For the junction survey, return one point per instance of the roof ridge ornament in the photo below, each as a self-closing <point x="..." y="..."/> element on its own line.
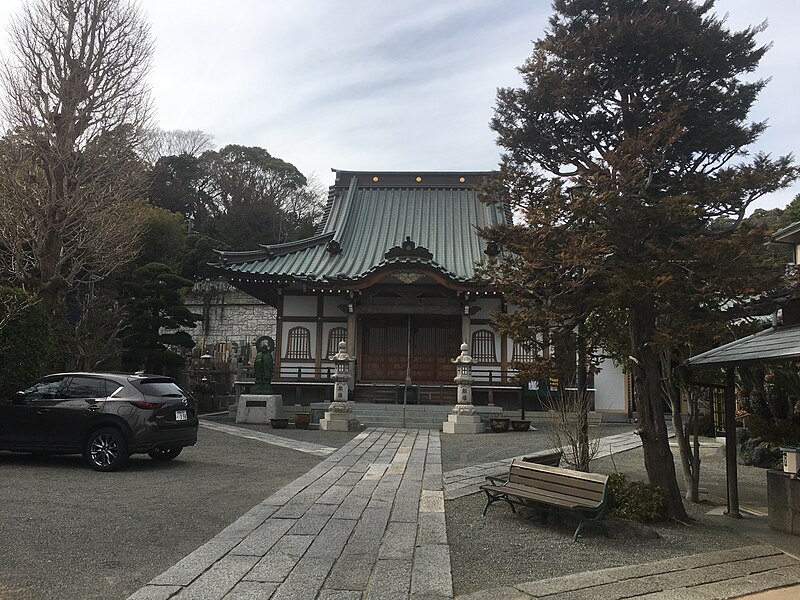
<point x="409" y="249"/>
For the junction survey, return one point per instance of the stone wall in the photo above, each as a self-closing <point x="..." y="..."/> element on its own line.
<point x="229" y="315"/>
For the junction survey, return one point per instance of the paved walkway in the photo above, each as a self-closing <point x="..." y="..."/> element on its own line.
<point x="709" y="576"/>
<point x="368" y="523"/>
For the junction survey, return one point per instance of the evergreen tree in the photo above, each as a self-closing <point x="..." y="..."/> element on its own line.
<point x="624" y="145"/>
<point x="154" y="299"/>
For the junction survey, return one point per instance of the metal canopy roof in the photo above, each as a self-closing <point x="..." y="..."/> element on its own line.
<point x="776" y="344"/>
<point x="365" y="220"/>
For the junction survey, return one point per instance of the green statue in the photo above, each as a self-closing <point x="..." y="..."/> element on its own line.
<point x="264" y="366"/>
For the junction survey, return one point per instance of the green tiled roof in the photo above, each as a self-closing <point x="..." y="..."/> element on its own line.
<point x="367" y="218"/>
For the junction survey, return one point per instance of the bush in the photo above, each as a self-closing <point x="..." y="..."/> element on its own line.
<point x="778" y="432"/>
<point x="26" y="343"/>
<point x="635" y="500"/>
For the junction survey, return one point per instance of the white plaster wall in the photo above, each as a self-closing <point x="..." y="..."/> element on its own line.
<point x="487" y="307"/>
<point x="299" y="306"/>
<point x="331" y="304"/>
<point x="609" y="385"/>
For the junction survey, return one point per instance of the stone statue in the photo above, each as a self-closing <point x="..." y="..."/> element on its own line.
<point x="264" y="366"/>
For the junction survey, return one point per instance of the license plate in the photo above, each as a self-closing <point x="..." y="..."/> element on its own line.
<point x="180" y="415"/>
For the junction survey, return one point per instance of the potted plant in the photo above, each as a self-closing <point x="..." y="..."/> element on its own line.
<point x="498" y="424"/>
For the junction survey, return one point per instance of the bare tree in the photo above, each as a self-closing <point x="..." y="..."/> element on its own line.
<point x="76" y="108"/>
<point x="570" y="430"/>
<point x="174" y="142"/>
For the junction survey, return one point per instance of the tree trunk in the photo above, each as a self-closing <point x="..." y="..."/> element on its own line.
<point x="672" y="391"/>
<point x="658" y="460"/>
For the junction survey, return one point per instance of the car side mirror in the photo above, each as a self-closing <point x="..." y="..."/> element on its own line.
<point x="18" y="398"/>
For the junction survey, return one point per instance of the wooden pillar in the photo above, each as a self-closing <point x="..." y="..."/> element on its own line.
<point x="466" y="326"/>
<point x="318" y="355"/>
<point x="352" y="333"/>
<point x="278" y="336"/>
<point x="730" y="444"/>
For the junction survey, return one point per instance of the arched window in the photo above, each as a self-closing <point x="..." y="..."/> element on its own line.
<point x="483" y="346"/>
<point x="523" y="353"/>
<point x="299" y="344"/>
<point x="336" y="335"/>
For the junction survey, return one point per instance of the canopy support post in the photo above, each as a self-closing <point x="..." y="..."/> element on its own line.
<point x="730" y="444"/>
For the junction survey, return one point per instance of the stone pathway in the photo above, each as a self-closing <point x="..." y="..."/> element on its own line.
<point x="466" y="481"/>
<point x="368" y="522"/>
<point x="275" y="440"/>
<point x="714" y="575"/>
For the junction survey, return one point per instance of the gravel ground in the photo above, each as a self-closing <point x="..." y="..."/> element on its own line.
<point x="460" y="451"/>
<point x="504" y="548"/>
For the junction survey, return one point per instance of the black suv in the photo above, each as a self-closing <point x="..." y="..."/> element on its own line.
<point x="105" y="416"/>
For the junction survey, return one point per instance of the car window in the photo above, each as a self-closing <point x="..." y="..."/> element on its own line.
<point x="46" y="389"/>
<point x="86" y="387"/>
<point x="163" y="389"/>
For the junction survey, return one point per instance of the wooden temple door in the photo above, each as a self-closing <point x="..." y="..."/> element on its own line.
<point x="384" y="352"/>
<point x="435" y="341"/>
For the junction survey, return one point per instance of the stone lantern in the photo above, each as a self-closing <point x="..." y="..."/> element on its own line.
<point x="463" y="418"/>
<point x="339" y="416"/>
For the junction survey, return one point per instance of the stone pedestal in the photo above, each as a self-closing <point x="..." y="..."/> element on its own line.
<point x="259" y="408"/>
<point x="783" y="497"/>
<point x="463" y="424"/>
<point x="339" y="418"/>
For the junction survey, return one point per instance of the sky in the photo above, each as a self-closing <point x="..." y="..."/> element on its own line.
<point x="380" y="85"/>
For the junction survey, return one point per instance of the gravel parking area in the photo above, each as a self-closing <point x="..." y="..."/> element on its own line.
<point x="70" y="532"/>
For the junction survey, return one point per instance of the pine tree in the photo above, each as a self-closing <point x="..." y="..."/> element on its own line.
<point x="622" y="148"/>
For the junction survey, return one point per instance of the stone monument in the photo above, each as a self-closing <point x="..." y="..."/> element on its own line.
<point x="339" y="416"/>
<point x="463" y="419"/>
<point x="261" y="404"/>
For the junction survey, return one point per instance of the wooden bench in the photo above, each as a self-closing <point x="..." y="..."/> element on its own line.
<point x="552" y="459"/>
<point x="582" y="494"/>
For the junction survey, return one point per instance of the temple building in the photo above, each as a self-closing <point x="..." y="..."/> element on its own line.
<point x="391" y="270"/>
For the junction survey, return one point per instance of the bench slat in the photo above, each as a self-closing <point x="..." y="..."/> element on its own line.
<point x="561" y="471"/>
<point x="560" y="488"/>
<point x="544" y="495"/>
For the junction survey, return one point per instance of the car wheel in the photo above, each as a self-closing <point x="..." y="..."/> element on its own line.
<point x="164" y="453"/>
<point x="106" y="449"/>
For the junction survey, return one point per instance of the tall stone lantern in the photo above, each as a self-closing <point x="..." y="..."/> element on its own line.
<point x="339" y="416"/>
<point x="463" y="419"/>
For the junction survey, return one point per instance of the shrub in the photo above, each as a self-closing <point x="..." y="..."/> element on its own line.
<point x="635" y="500"/>
<point x="26" y="343"/>
<point x="779" y="432"/>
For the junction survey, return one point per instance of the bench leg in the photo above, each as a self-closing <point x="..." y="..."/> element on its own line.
<point x="595" y="519"/>
<point x="491" y="499"/>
